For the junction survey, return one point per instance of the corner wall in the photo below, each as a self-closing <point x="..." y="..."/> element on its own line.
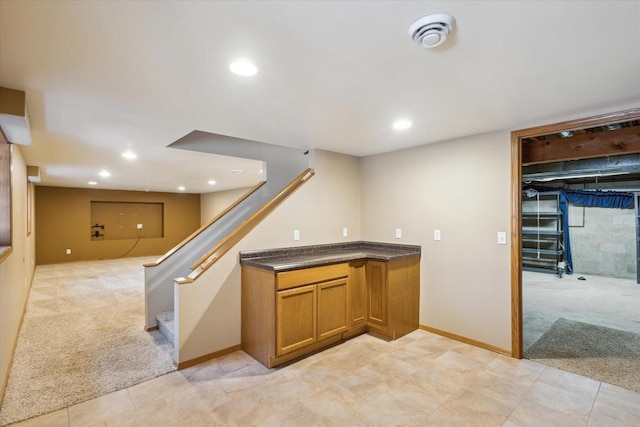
<point x="319" y="209"/>
<point x="16" y="271"/>
<point x="462" y="188"/>
<point x="63" y="220"/>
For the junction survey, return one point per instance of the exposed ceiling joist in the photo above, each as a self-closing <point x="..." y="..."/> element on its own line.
<point x="590" y="145"/>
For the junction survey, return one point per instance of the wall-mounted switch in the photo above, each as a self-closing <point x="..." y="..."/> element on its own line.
<point x="398" y="233"/>
<point x="139" y="226"/>
<point x="345" y="232"/>
<point x="68" y="251"/>
<point x="502" y="238"/>
<point x="296" y="234"/>
<point x="436" y="234"/>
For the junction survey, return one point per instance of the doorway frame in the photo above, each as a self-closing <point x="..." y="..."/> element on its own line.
<point x="516" y="203"/>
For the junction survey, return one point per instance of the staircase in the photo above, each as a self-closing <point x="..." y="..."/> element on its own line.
<point x="184" y="263"/>
<point x="166" y="325"/>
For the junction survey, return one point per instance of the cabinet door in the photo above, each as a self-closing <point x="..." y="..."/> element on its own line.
<point x="333" y="308"/>
<point x="295" y="318"/>
<point x="358" y="292"/>
<point x="378" y="287"/>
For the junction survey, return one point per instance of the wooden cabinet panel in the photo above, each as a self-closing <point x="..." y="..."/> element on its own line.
<point x="358" y="292"/>
<point x="378" y="293"/>
<point x="307" y="276"/>
<point x="332" y="308"/>
<point x="296" y="318"/>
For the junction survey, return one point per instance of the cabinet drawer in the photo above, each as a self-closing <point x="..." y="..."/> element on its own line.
<point x="291" y="279"/>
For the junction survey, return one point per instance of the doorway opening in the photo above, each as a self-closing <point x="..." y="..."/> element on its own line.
<point x="553" y="235"/>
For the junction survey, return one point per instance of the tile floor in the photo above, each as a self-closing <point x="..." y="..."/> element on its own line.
<point x="418" y="380"/>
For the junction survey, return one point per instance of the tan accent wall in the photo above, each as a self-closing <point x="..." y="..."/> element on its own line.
<point x="16" y="271"/>
<point x="211" y="204"/>
<point x="462" y="188"/>
<point x="63" y="221"/>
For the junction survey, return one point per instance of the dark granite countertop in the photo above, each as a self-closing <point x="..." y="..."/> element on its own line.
<point x="310" y="256"/>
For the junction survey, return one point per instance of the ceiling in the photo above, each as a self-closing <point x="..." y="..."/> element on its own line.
<point x="105" y="77"/>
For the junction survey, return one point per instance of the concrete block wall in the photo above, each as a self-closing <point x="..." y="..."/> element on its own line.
<point x="606" y="245"/>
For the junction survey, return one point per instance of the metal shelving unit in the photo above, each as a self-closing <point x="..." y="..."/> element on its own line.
<point x="542" y="234"/>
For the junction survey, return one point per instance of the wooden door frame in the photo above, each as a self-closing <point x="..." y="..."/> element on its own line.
<point x="516" y="204"/>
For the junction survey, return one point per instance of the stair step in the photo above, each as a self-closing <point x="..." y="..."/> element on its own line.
<point x="166" y="325"/>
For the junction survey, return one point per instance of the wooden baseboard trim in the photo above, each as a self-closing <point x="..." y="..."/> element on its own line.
<point x="206" y="357"/>
<point x="151" y="328"/>
<point x="15" y="340"/>
<point x="466" y="340"/>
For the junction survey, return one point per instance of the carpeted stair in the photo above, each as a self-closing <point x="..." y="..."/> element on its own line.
<point x="166" y="325"/>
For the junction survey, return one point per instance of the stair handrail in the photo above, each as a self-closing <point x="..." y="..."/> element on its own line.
<point x="193" y="235"/>
<point x="243" y="229"/>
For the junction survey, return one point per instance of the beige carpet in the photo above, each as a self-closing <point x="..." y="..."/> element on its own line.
<point x="604" y="354"/>
<point x="82" y="337"/>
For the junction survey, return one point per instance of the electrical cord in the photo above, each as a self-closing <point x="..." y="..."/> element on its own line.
<point x="130" y="249"/>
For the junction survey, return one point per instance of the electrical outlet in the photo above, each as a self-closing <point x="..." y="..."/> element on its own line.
<point x="68" y="251"/>
<point x="345" y="232"/>
<point x="296" y="234"/>
<point x="436" y="234"/>
<point x="139" y="226"/>
<point x="398" y="233"/>
<point x="502" y="238"/>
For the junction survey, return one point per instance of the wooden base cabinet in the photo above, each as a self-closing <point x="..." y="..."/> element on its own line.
<point x="290" y="314"/>
<point x="394" y="297"/>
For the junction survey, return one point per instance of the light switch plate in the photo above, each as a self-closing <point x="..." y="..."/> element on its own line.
<point x="345" y="232"/>
<point x="502" y="238"/>
<point x="296" y="234"/>
<point x="436" y="234"/>
<point x="398" y="233"/>
<point x="139" y="226"/>
<point x="68" y="251"/>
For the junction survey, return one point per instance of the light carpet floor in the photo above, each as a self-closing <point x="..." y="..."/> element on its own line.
<point x="82" y="337"/>
<point x="605" y="354"/>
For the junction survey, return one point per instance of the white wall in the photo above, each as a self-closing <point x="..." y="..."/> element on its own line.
<point x="319" y="209"/>
<point x="211" y="204"/>
<point x="16" y="271"/>
<point x="462" y="188"/>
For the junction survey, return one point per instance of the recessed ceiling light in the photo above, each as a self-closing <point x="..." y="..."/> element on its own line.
<point x="129" y="155"/>
<point x="92" y="183"/>
<point x="104" y="173"/>
<point x="244" y="68"/>
<point x="181" y="188"/>
<point x="211" y="182"/>
<point x="236" y="170"/>
<point x="402" y="124"/>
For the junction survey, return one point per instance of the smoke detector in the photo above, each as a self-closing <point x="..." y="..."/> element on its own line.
<point x="432" y="30"/>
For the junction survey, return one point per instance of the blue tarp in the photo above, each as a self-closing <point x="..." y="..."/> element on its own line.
<point x="599" y="199"/>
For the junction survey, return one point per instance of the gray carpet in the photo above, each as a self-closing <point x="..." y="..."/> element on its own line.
<point x="604" y="354"/>
<point x="82" y="337"/>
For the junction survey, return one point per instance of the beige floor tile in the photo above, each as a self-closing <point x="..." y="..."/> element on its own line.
<point x="58" y="418"/>
<point x="568" y="381"/>
<point x="529" y="413"/>
<point x="157" y="388"/>
<point x="497" y="387"/>
<point x="296" y="415"/>
<point x="599" y="420"/>
<point x="619" y="404"/>
<point x="100" y="409"/>
<point x="476" y="353"/>
<point x="472" y="404"/>
<point x="458" y="362"/>
<point x="561" y="400"/>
